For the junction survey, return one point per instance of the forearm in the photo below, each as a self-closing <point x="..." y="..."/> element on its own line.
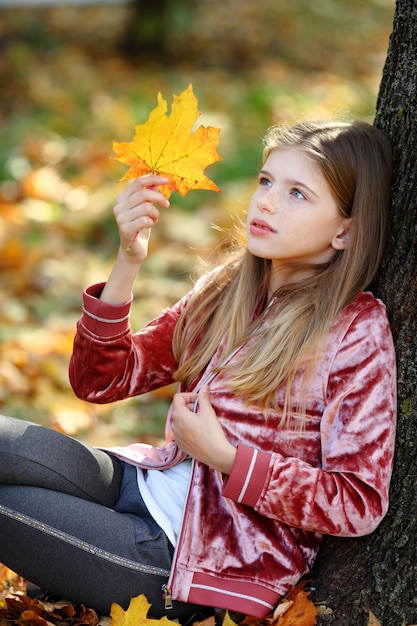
<point x="135" y="215"/>
<point x="119" y="286"/>
<point x="306" y="497"/>
<point x="108" y="362"/>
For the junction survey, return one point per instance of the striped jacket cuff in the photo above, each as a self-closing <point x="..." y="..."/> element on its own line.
<point x="101" y="318"/>
<point x="248" y="475"/>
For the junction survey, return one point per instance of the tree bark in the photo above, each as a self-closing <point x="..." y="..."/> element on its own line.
<point x="379" y="572"/>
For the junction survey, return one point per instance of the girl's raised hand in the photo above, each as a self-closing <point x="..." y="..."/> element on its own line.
<point x="135" y="213"/>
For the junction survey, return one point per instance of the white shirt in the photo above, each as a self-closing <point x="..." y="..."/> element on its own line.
<point x="164" y="493"/>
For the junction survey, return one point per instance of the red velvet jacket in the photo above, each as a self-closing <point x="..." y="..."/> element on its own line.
<point x="248" y="537"/>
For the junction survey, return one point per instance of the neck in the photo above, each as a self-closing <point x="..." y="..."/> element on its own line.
<point x="280" y="277"/>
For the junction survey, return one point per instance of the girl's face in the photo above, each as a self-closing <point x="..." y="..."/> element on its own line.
<point x="293" y="218"/>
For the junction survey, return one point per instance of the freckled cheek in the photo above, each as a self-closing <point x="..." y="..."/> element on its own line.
<point x="251" y="213"/>
<point x="252" y="206"/>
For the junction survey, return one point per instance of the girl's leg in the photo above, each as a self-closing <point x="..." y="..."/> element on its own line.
<point x="73" y="522"/>
<point x="81" y="550"/>
<point x="37" y="456"/>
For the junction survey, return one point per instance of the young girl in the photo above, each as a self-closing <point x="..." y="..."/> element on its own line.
<point x="283" y="426"/>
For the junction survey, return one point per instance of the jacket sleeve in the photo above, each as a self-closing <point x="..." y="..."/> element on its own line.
<point x="348" y="494"/>
<point x="109" y="362"/>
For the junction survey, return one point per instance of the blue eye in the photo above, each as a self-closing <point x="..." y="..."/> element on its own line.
<point x="264" y="181"/>
<point x="297" y="194"/>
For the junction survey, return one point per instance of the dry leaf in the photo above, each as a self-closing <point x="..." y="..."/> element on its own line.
<point x="281" y="608"/>
<point x="32" y="612"/>
<point x="322" y="609"/>
<point x="250" y="620"/>
<point x="163" y="145"/>
<point x="136" y="614"/>
<point x="302" y="611"/>
<point x="373" y="621"/>
<point x="209" y="621"/>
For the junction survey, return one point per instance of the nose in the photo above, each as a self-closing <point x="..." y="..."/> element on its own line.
<point x="267" y="202"/>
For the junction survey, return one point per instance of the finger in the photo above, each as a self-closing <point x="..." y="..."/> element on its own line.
<point x="204" y="396"/>
<point x="185" y="397"/>
<point x="152" y="180"/>
<point x="203" y="402"/>
<point x="142" y="196"/>
<point x="147" y="180"/>
<point x="133" y="225"/>
<point x="144" y="189"/>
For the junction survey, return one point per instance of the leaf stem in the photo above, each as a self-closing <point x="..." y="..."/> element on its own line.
<point x="129" y="247"/>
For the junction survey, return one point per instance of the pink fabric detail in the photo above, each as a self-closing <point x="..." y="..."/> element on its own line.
<point x="148" y="457"/>
<point x="248" y="475"/>
<point x="101" y="318"/>
<point x="256" y="601"/>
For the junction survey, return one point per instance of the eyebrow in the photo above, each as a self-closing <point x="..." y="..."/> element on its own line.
<point x="291" y="182"/>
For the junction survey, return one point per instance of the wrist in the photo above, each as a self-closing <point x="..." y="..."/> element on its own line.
<point x="119" y="286"/>
<point x="125" y="257"/>
<point x="224" y="461"/>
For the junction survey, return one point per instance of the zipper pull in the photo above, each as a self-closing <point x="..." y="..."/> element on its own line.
<point x="166" y="595"/>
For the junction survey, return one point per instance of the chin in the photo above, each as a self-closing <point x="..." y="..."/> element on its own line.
<point x="258" y="253"/>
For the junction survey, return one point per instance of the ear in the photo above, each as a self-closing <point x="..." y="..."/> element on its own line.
<point x="341" y="239"/>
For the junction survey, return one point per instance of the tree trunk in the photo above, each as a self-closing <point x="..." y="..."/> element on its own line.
<point x="157" y="30"/>
<point x="379" y="572"/>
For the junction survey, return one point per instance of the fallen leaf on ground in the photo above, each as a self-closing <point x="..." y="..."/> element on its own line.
<point x="31" y="612"/>
<point x="209" y="621"/>
<point x="297" y="609"/>
<point x="136" y="614"/>
<point x="282" y="608"/>
<point x="163" y="145"/>
<point x="373" y="621"/>
<point x="322" y="609"/>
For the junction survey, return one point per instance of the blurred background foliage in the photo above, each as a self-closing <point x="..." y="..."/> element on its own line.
<point x="73" y="78"/>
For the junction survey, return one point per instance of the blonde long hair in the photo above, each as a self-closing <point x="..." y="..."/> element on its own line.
<point x="355" y="159"/>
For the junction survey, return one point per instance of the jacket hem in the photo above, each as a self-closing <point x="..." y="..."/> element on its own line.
<point x="235" y="595"/>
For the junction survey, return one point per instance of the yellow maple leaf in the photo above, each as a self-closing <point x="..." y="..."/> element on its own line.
<point x="165" y="145"/>
<point x="136" y="614"/>
<point x="227" y="620"/>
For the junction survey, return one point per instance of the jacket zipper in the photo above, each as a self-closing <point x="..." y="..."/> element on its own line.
<point x="166" y="588"/>
<point x="166" y="595"/>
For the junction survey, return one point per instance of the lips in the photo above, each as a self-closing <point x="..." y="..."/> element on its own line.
<point x="259" y="227"/>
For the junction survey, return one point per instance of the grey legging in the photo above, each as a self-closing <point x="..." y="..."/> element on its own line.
<point x="72" y="521"/>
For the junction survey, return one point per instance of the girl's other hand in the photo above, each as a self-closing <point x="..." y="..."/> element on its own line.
<point x="200" y="434"/>
<point x="135" y="213"/>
